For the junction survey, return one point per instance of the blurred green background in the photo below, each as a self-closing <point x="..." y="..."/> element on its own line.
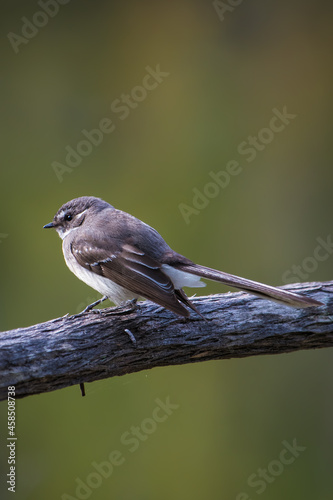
<point x="225" y="76"/>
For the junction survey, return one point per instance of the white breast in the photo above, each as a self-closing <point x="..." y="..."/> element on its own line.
<point x="114" y="292"/>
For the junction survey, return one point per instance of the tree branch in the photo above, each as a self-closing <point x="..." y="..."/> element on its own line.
<point x="71" y="350"/>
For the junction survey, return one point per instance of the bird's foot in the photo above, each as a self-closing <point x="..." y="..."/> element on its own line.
<point x="90" y="308"/>
<point x="125" y="308"/>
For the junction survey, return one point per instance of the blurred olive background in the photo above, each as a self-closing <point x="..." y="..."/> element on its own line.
<point x="224" y="78"/>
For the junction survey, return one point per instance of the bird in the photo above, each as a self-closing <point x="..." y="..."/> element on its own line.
<point x="125" y="259"/>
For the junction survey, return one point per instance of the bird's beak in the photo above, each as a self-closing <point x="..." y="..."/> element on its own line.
<point x="50" y="224"/>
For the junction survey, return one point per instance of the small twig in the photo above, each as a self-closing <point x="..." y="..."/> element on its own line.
<point x="131" y="336"/>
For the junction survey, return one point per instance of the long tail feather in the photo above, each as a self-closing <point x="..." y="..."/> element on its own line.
<point x="264" y="291"/>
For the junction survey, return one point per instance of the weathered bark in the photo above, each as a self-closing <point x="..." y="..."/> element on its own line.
<point x="71" y="350"/>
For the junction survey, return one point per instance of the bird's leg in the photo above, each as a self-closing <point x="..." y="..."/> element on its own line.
<point x="83" y="392"/>
<point x="130" y="305"/>
<point x="126" y="307"/>
<point x="90" y="307"/>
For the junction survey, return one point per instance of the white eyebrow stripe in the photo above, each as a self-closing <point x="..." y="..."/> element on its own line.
<point x="81" y="213"/>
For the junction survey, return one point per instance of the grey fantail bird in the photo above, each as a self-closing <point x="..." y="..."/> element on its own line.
<point x="123" y="258"/>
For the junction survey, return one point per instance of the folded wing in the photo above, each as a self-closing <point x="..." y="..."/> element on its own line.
<point x="132" y="269"/>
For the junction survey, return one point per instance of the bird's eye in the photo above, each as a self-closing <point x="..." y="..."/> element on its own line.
<point x="68" y="217"/>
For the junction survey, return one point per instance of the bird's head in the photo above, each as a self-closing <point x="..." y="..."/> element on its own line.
<point x="73" y="213"/>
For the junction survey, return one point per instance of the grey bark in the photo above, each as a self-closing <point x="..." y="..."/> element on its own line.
<point x="71" y="350"/>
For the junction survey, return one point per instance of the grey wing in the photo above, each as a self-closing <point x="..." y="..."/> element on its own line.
<point x="132" y="269"/>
